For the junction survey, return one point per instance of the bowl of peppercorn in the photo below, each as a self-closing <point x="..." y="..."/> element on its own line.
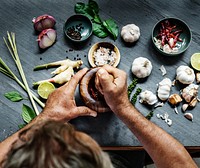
<point x="78" y="28"/>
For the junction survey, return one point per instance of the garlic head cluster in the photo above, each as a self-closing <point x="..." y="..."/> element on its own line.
<point x="185" y="74"/>
<point x="189" y="92"/>
<point x="164" y="88"/>
<point x="141" y="67"/>
<point x="148" y="97"/>
<point x="130" y="33"/>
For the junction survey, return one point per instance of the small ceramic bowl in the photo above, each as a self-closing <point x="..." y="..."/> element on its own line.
<point x="106" y="45"/>
<point x="78" y="28"/>
<point x="185" y="36"/>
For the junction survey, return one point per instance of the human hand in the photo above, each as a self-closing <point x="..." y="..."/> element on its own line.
<point x="61" y="103"/>
<point x="112" y="83"/>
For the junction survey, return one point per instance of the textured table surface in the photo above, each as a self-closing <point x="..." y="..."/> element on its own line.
<point x="16" y="16"/>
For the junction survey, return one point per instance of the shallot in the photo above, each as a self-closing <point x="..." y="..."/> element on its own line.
<point x="46" y="38"/>
<point x="43" y="22"/>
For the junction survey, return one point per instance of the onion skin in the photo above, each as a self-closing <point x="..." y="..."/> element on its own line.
<point x="97" y="105"/>
<point x="43" y="22"/>
<point x="46" y="38"/>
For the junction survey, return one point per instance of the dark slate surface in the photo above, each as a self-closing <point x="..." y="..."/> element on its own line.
<point x="16" y="16"/>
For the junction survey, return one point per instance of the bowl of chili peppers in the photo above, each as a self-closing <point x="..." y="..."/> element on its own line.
<point x="171" y="36"/>
<point x="78" y="28"/>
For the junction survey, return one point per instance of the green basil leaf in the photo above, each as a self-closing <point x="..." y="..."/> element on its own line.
<point x="84" y="9"/>
<point x="97" y="19"/>
<point x="27" y="113"/>
<point x="94" y="6"/>
<point x="99" y="30"/>
<point x="112" y="27"/>
<point x="13" y="96"/>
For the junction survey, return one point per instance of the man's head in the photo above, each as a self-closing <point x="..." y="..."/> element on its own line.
<point x="56" y="145"/>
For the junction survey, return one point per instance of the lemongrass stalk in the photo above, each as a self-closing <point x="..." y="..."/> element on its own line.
<point x="13" y="51"/>
<point x="8" y="72"/>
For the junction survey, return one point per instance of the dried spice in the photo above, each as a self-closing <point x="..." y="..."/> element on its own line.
<point x="75" y="31"/>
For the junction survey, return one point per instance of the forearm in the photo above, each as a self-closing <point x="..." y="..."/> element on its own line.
<point x="162" y="147"/>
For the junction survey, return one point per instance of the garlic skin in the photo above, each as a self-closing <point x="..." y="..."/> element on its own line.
<point x="46" y="38"/>
<point x="164" y="88"/>
<point x="185" y="74"/>
<point x="148" y="97"/>
<point x="130" y="33"/>
<point x="189" y="92"/>
<point x="141" y="67"/>
<point x="174" y="99"/>
<point x="43" y="22"/>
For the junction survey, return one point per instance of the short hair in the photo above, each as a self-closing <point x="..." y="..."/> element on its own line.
<point x="54" y="145"/>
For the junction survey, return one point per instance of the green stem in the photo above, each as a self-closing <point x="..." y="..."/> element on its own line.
<point x="14" y="53"/>
<point x="7" y="71"/>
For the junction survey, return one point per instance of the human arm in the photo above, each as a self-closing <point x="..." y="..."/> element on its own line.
<point x="60" y="106"/>
<point x="162" y="147"/>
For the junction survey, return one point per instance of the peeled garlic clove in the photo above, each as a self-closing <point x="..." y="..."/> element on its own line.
<point x="46" y="38"/>
<point x="184" y="107"/>
<point x="43" y="22"/>
<point x="174" y="99"/>
<point x="189" y="116"/>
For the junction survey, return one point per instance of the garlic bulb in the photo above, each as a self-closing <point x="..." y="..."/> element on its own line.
<point x="148" y="97"/>
<point x="141" y="67"/>
<point x="164" y="88"/>
<point x="185" y="74"/>
<point x="130" y="33"/>
<point x="189" y="92"/>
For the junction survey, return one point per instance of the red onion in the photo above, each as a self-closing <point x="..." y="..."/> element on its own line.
<point x="43" y="22"/>
<point x="46" y="38"/>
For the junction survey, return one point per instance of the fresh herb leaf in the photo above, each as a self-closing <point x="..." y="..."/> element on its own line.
<point x="13" y="96"/>
<point x="134" y="98"/>
<point x="94" y="6"/>
<point x="132" y="86"/>
<point x="27" y="113"/>
<point x="112" y="27"/>
<point x="99" y="30"/>
<point x="150" y="115"/>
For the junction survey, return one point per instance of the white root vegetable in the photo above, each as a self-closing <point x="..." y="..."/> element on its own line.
<point x="130" y="33"/>
<point x="164" y="88"/>
<point x="185" y="74"/>
<point x="64" y="64"/>
<point x="61" y="78"/>
<point x="148" y="97"/>
<point x="141" y="67"/>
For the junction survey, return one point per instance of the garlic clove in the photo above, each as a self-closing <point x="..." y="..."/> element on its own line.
<point x="174" y="99"/>
<point x="189" y="116"/>
<point x="184" y="107"/>
<point x="193" y="102"/>
<point x="198" y="77"/>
